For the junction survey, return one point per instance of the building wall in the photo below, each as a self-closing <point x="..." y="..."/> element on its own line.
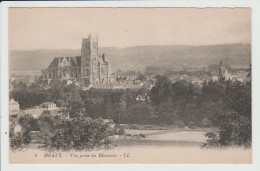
<point x="14" y="105"/>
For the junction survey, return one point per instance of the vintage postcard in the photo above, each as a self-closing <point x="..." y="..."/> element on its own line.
<point x="129" y="85"/>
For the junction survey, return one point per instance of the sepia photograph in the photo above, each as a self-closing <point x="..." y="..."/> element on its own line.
<point x="129" y="85"/>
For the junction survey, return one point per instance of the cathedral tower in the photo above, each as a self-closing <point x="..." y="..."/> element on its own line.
<point x="88" y="70"/>
<point x="89" y="55"/>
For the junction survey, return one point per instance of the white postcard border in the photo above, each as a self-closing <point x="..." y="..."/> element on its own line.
<point x="255" y="5"/>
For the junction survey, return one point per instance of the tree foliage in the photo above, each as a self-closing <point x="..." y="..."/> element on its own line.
<point x="20" y="140"/>
<point x="78" y="133"/>
<point x="224" y="104"/>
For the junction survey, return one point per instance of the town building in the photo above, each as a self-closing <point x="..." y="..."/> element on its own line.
<point x="14" y="111"/>
<point x="88" y="70"/>
<point x="144" y="98"/>
<point x="235" y="76"/>
<point x="14" y="106"/>
<point x="223" y="72"/>
<point x="46" y="107"/>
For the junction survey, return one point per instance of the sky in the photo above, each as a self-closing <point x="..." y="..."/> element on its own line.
<point x="64" y="28"/>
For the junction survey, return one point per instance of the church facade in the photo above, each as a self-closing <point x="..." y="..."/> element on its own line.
<point x="88" y="70"/>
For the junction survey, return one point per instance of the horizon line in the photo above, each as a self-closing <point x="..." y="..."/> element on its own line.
<point x="243" y="43"/>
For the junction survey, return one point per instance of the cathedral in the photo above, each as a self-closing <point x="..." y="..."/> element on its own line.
<point x="88" y="70"/>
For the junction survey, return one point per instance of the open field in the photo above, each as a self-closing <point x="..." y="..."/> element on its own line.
<point x="171" y="138"/>
<point x="158" y="146"/>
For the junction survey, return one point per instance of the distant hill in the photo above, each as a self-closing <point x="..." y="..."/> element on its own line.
<point x="139" y="57"/>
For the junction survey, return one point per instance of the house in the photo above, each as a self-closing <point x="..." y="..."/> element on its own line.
<point x="14" y="111"/>
<point x="17" y="129"/>
<point x="110" y="122"/>
<point x="47" y="107"/>
<point x="34" y="112"/>
<point x="13" y="105"/>
<point x="149" y="84"/>
<point x="143" y="98"/>
<point x="14" y="117"/>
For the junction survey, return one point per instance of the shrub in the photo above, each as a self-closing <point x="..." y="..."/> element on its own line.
<point x="77" y="133"/>
<point x="213" y="140"/>
<point x="121" y="131"/>
<point x="234" y="131"/>
<point x="29" y="123"/>
<point x="20" y="140"/>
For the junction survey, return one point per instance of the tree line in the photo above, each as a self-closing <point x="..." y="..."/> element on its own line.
<point x="224" y="104"/>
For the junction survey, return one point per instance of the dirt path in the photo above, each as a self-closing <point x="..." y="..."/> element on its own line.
<point x="174" y="138"/>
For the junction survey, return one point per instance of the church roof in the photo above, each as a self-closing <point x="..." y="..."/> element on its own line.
<point x="54" y="82"/>
<point x="54" y="63"/>
<point x="78" y="60"/>
<point x="73" y="61"/>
